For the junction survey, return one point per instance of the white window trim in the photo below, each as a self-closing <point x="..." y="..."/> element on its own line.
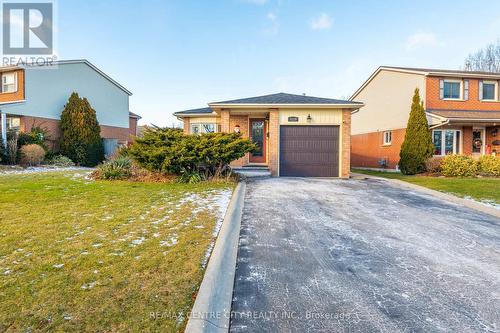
<point x="495" y="99"/>
<point x="201" y="127"/>
<point x="461" y="98"/>
<point x="443" y="141"/>
<point x="385" y="142"/>
<point x="15" y="83"/>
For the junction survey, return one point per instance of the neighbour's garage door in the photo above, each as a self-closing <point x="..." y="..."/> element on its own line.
<point x="309" y="151"/>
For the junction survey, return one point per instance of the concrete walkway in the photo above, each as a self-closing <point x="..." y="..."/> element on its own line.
<point x="319" y="255"/>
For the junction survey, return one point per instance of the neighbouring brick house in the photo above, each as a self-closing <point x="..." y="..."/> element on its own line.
<point x="297" y="135"/>
<point x="462" y="107"/>
<point x="32" y="96"/>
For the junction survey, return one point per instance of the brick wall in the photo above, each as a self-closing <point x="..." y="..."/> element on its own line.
<point x="467" y="140"/>
<point x="346" y="144"/>
<point x="432" y="100"/>
<point x="132" y="126"/>
<point x="242" y="121"/>
<point x="273" y="145"/>
<point x="185" y="122"/>
<point x="52" y="127"/>
<point x="19" y="94"/>
<point x="490" y="139"/>
<point x="367" y="149"/>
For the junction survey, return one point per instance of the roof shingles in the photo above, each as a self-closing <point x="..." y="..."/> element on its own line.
<point x="278" y="99"/>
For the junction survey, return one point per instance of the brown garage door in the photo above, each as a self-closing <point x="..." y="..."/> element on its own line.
<point x="309" y="151"/>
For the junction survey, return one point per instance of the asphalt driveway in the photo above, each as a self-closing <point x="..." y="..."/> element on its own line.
<point x="319" y="255"/>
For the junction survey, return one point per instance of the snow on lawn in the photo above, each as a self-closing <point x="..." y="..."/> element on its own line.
<point x="16" y="170"/>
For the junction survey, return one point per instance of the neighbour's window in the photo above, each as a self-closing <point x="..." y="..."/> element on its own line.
<point x="9" y="82"/>
<point x="451" y="89"/>
<point x="489" y="91"/>
<point x="446" y="142"/>
<point x="387" y="138"/>
<point x="13" y="124"/>
<point x="203" y="128"/>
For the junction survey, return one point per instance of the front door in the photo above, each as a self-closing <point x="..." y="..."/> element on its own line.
<point x="478" y="141"/>
<point x="258" y="136"/>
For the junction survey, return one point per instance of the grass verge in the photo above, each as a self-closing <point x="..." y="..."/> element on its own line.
<point x="481" y="189"/>
<point x="84" y="256"/>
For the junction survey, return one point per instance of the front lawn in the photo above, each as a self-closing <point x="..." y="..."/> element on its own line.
<point x="83" y="256"/>
<point x="482" y="189"/>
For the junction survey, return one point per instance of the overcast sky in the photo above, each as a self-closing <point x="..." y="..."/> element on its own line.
<point x="177" y="55"/>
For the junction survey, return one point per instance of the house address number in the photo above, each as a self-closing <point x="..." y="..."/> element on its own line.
<point x="293" y="119"/>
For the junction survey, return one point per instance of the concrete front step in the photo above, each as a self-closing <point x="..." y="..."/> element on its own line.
<point x="252" y="172"/>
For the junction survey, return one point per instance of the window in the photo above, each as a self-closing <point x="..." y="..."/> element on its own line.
<point x="387" y="138"/>
<point x="13" y="124"/>
<point x="9" y="82"/>
<point x="488" y="92"/>
<point x="451" y="89"/>
<point x="446" y="142"/>
<point x="203" y="128"/>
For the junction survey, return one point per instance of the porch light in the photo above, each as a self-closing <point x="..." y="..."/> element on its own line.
<point x="309" y="118"/>
<point x="237" y="129"/>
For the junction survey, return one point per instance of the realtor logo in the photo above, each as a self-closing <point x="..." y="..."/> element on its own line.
<point x="27" y="32"/>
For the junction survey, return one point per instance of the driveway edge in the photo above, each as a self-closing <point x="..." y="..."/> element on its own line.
<point x="441" y="195"/>
<point x="212" y="307"/>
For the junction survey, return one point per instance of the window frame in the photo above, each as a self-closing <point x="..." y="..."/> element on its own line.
<point x="201" y="128"/>
<point x="460" y="89"/>
<point x="14" y="74"/>
<point x="456" y="142"/>
<point x="495" y="91"/>
<point x="387" y="134"/>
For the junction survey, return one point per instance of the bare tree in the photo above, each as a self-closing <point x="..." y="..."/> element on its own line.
<point x="485" y="60"/>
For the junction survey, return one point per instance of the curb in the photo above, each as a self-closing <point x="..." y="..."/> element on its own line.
<point x="445" y="196"/>
<point x="212" y="307"/>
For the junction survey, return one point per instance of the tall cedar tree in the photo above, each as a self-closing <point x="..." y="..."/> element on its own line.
<point x="417" y="146"/>
<point x="80" y="132"/>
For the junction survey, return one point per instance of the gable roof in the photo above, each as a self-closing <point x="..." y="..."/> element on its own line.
<point x="426" y="72"/>
<point x="283" y="98"/>
<point x="203" y="111"/>
<point x="77" y="61"/>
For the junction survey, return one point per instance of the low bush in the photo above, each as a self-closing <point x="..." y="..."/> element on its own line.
<point x="433" y="164"/>
<point x="60" y="161"/>
<point x="459" y="166"/>
<point x="32" y="154"/>
<point x="190" y="177"/>
<point x="489" y="165"/>
<point x="169" y="151"/>
<point x="119" y="168"/>
<point x="37" y="136"/>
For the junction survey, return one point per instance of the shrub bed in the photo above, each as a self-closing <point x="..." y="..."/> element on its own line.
<point x="489" y="165"/>
<point x="192" y="157"/>
<point x="433" y="164"/>
<point x="32" y="154"/>
<point x="459" y="166"/>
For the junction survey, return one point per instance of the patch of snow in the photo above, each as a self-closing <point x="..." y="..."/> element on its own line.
<point x="156" y="235"/>
<point x="7" y="272"/>
<point x="169" y="242"/>
<point x="67" y="317"/>
<point x="97" y="245"/>
<point x="89" y="285"/>
<point x="138" y="241"/>
<point x="487" y="203"/>
<point x="58" y="265"/>
<point x="41" y="169"/>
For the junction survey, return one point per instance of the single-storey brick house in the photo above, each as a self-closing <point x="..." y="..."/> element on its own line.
<point x="462" y="107"/>
<point x="297" y="135"/>
<point x="32" y="96"/>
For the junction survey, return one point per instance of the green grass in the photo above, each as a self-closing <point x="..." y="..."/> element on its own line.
<point x="84" y="256"/>
<point x="482" y="189"/>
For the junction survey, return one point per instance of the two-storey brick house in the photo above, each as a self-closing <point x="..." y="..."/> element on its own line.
<point x="462" y="107"/>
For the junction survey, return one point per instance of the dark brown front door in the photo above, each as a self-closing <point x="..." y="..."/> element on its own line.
<point x="258" y="136"/>
<point x="309" y="151"/>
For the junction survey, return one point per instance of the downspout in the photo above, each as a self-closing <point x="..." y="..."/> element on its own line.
<point x="3" y="124"/>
